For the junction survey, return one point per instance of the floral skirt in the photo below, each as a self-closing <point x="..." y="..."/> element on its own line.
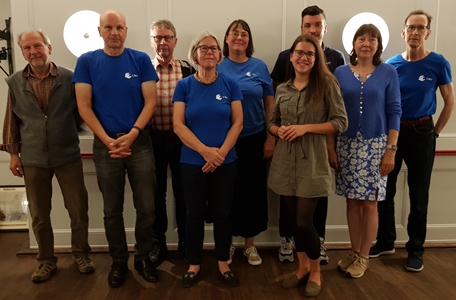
<point x="359" y="176"/>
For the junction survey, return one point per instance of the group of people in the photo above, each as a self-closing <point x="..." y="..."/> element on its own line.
<point x="216" y="127"/>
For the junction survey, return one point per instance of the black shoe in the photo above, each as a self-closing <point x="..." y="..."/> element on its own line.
<point x="189" y="279"/>
<point x="158" y="255"/>
<point x="230" y="279"/>
<point x="181" y="247"/>
<point x="147" y="270"/>
<point x="117" y="274"/>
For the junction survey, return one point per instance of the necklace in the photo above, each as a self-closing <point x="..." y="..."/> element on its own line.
<point x="197" y="77"/>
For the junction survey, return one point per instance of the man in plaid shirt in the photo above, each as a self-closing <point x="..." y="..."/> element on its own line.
<point x="167" y="145"/>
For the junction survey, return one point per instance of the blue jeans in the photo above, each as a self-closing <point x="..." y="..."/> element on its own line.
<point x="416" y="147"/>
<point x="140" y="169"/>
<point x="167" y="151"/>
<point x="214" y="191"/>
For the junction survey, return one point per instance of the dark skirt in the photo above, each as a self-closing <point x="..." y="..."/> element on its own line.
<point x="250" y="204"/>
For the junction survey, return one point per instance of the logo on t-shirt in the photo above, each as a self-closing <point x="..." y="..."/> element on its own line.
<point x="220" y="97"/>
<point x="249" y="74"/>
<point x="128" y="75"/>
<point x="424" y="78"/>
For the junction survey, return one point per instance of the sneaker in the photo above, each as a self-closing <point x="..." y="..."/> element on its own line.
<point x="43" y="272"/>
<point x="414" y="263"/>
<point x="286" y="250"/>
<point x="324" y="258"/>
<point x="252" y="256"/>
<point x="347" y="261"/>
<point x="85" y="264"/>
<point x="376" y="251"/>
<point x="232" y="250"/>
<point x="358" y="267"/>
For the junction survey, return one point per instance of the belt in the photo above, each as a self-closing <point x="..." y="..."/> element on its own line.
<point x="414" y="122"/>
<point x="116" y="135"/>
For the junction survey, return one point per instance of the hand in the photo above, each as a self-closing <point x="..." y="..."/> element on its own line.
<point x="212" y="156"/>
<point x="269" y="147"/>
<point x="333" y="160"/>
<point x="289" y="133"/>
<point x="387" y="164"/>
<point x="208" y="168"/>
<point x="16" y="166"/>
<point x="120" y="147"/>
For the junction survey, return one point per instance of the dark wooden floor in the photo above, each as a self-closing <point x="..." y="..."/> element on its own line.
<point x="386" y="279"/>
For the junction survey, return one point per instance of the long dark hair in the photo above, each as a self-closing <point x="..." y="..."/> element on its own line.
<point x="319" y="74"/>
<point x="373" y="31"/>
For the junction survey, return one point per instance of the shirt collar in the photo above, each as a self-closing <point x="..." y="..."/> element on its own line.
<point x="171" y="63"/>
<point x="53" y="71"/>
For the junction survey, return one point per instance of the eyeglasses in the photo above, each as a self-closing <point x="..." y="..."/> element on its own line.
<point x="204" y="48"/>
<point x="299" y="53"/>
<point x="412" y="28"/>
<point x="159" y="38"/>
<point x="236" y="34"/>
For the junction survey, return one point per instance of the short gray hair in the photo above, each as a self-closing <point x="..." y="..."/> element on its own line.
<point x="44" y="37"/>
<point x="163" y="23"/>
<point x="194" y="46"/>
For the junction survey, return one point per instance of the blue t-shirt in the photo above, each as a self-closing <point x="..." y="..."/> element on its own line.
<point x="207" y="113"/>
<point x="254" y="80"/>
<point x="117" y="98"/>
<point x="419" y="81"/>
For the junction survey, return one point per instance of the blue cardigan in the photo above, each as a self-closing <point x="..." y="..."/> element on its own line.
<point x="373" y="107"/>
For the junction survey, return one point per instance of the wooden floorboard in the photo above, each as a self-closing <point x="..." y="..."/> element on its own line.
<point x="387" y="278"/>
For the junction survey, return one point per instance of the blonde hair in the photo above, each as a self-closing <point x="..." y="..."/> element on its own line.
<point x="195" y="43"/>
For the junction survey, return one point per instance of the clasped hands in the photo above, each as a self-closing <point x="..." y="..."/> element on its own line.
<point x="213" y="159"/>
<point x="291" y="132"/>
<point x="120" y="147"/>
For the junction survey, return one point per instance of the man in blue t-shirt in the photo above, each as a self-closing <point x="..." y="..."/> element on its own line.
<point x="116" y="94"/>
<point x="420" y="72"/>
<point x="314" y="23"/>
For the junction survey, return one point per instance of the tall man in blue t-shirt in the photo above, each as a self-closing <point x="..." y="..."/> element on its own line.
<point x="314" y="23"/>
<point x="420" y="72"/>
<point x="116" y="94"/>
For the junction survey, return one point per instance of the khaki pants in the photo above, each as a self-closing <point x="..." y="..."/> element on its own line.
<point x="38" y="186"/>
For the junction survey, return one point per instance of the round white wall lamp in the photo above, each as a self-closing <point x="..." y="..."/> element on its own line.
<point x="80" y="32"/>
<point x="363" y="18"/>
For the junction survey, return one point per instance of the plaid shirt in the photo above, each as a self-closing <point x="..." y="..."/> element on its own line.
<point x="169" y="76"/>
<point x="11" y="126"/>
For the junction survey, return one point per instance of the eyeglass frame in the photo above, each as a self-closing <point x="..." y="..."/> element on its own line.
<point x="243" y="35"/>
<point x="167" y="38"/>
<point x="214" y="49"/>
<point x="418" y="28"/>
<point x="313" y="55"/>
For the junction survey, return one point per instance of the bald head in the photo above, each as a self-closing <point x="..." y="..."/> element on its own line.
<point x="113" y="30"/>
<point x="112" y="13"/>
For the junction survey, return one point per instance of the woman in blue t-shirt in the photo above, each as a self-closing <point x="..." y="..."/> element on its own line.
<point x="208" y="119"/>
<point x="250" y="203"/>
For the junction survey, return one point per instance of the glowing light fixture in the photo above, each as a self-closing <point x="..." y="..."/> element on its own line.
<point x="364" y="18"/>
<point x="80" y="32"/>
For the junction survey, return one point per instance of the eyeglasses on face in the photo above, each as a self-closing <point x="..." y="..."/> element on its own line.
<point x="204" y="48"/>
<point x="159" y="38"/>
<point x="300" y="53"/>
<point x="412" y="28"/>
<point x="236" y="34"/>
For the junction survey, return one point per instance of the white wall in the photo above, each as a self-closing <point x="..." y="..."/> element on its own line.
<point x="275" y="24"/>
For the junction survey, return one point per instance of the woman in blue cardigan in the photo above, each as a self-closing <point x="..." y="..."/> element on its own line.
<point x="364" y="154"/>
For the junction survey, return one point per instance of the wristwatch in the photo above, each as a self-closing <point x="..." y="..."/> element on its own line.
<point x="392" y="147"/>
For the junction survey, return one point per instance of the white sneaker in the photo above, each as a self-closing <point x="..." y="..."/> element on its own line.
<point x="252" y="256"/>
<point x="232" y="249"/>
<point x="324" y="258"/>
<point x="286" y="250"/>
